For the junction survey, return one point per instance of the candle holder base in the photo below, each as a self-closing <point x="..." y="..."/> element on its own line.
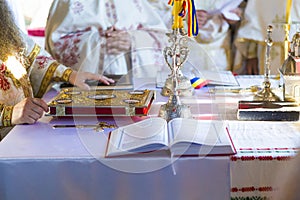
<point x="184" y="87"/>
<point x="266" y="94"/>
<point x="174" y="109"/>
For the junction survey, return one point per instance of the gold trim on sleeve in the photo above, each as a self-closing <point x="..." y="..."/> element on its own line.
<point x="15" y="81"/>
<point x="47" y="79"/>
<point x="7" y="115"/>
<point x="1" y="106"/>
<point x="66" y="75"/>
<point x="33" y="54"/>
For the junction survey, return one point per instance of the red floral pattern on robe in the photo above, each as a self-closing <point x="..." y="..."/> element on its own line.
<point x="4" y="84"/>
<point x="69" y="46"/>
<point x="43" y="61"/>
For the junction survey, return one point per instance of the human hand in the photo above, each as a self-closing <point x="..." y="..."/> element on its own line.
<point x="117" y="41"/>
<point x="238" y="11"/>
<point x="28" y="111"/>
<point x="79" y="79"/>
<point x="252" y="66"/>
<point x="202" y="17"/>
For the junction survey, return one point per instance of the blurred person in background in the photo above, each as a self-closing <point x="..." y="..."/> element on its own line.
<point x="251" y="35"/>
<point x="106" y="36"/>
<point x="217" y="20"/>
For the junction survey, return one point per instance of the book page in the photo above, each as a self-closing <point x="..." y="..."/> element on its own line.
<point x="144" y="136"/>
<point x="224" y="78"/>
<point x="190" y="136"/>
<point x="201" y="132"/>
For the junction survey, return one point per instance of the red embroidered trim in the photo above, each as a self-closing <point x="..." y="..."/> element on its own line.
<point x="261" y="158"/>
<point x="252" y="189"/>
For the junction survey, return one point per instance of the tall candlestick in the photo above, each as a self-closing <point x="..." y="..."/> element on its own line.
<point x="288" y="11"/>
<point x="287" y="27"/>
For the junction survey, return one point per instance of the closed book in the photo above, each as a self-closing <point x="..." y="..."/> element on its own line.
<point x="268" y="111"/>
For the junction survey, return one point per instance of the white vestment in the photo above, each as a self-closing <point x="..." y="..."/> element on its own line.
<point x="250" y="40"/>
<point x="74" y="35"/>
<point x="211" y="48"/>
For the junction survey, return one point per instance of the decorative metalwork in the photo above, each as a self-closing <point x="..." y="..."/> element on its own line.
<point x="176" y="84"/>
<point x="175" y="56"/>
<point x="266" y="93"/>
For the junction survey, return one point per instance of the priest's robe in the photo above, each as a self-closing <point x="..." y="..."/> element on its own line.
<point x="74" y="35"/>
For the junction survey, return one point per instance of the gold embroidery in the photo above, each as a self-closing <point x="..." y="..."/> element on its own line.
<point x="7" y="115"/>
<point x="12" y="77"/>
<point x="1" y="107"/>
<point x="66" y="75"/>
<point x="33" y="54"/>
<point x="47" y="79"/>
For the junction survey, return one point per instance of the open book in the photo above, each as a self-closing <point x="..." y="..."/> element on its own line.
<point x="180" y="136"/>
<point x="221" y="78"/>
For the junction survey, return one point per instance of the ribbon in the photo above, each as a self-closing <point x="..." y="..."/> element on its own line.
<point x="192" y="19"/>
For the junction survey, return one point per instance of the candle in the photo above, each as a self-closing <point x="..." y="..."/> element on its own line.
<point x="287" y="28"/>
<point x="20" y="73"/>
<point x="288" y="11"/>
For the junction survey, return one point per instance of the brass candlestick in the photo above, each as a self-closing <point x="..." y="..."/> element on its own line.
<point x="266" y="93"/>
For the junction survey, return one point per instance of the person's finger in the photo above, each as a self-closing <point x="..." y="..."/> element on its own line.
<point x="30" y="115"/>
<point x="41" y="103"/>
<point x="113" y="40"/>
<point x="106" y="80"/>
<point x="109" y="31"/>
<point x="121" y="45"/>
<point x="119" y="33"/>
<point x="27" y="120"/>
<point x="84" y="86"/>
<point x="102" y="78"/>
<point x="38" y="110"/>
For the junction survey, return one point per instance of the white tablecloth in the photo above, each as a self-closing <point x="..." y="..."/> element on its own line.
<point x="39" y="162"/>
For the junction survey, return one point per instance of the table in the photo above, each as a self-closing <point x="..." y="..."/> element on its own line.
<point x="38" y="162"/>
